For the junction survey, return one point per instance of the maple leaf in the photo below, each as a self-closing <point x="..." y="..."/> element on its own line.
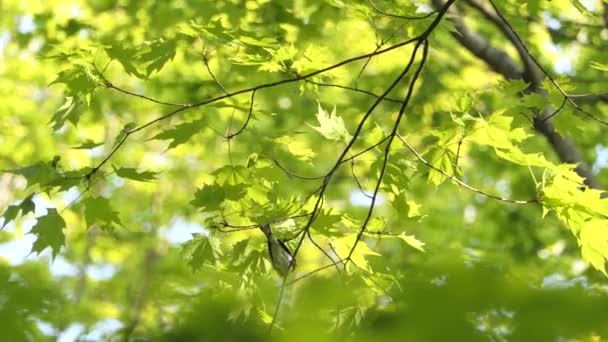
<point x="331" y="126"/>
<point x="49" y="232"/>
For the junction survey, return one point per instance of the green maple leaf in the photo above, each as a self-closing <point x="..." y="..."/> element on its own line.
<point x="70" y="111"/>
<point x="80" y="82"/>
<point x="327" y="221"/>
<point x="412" y="241"/>
<point x="344" y="245"/>
<point x="10" y="214"/>
<point x="406" y="209"/>
<point x="99" y="210"/>
<point x="331" y="126"/>
<point x="123" y="133"/>
<point x="26" y="206"/>
<point x="131" y="173"/>
<point x="180" y="133"/>
<point x="263" y="42"/>
<point x="49" y="232"/>
<point x="211" y="197"/>
<point x="441" y="159"/>
<point x="200" y="250"/>
<point x="127" y="57"/>
<point x="87" y="145"/>
<point x="40" y="173"/>
<point x="593" y="241"/>
<point x="159" y="53"/>
<point x="298" y="148"/>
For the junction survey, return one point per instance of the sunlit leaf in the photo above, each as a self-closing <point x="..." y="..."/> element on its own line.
<point x="344" y="246"/>
<point x="87" y="145"/>
<point x="331" y="126"/>
<point x="296" y="147"/>
<point x="412" y="241"/>
<point x="599" y="66"/>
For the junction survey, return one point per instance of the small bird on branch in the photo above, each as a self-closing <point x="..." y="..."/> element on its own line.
<point x="282" y="259"/>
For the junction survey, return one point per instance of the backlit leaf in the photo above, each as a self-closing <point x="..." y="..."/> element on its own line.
<point x="343" y="247"/>
<point x="412" y="241"/>
<point x="87" y="145"/>
<point x="331" y="126"/>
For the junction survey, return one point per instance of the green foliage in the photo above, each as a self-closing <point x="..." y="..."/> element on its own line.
<point x="29" y="294"/>
<point x="431" y="180"/>
<point x="584" y="212"/>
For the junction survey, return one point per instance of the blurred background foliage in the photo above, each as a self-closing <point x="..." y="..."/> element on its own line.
<point x="129" y="264"/>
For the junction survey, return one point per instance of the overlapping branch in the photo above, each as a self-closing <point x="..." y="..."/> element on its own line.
<point x="392" y="135"/>
<point x="183" y="108"/>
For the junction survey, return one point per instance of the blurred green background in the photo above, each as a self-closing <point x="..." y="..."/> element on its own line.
<point x="490" y="271"/>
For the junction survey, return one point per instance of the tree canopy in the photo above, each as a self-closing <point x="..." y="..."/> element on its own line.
<point x="437" y="169"/>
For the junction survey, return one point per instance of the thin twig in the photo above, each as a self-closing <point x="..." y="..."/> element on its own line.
<point x="385" y="158"/>
<point x="276" y="310"/>
<point x="458" y="181"/>
<point x="457" y="157"/>
<point x="110" y="85"/>
<point x="323" y="251"/>
<point x="352" y="169"/>
<point x="371" y="3"/>
<point x="366" y="92"/>
<point x="306" y="275"/>
<point x="551" y="79"/>
<point x="206" y="62"/>
<point x="232" y="135"/>
<point x="353" y="157"/>
<point x="356" y="81"/>
<point x="555" y="112"/>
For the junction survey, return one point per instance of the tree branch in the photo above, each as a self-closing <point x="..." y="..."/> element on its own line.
<point x="297" y="78"/>
<point x="605" y="13"/>
<point x="500" y="62"/>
